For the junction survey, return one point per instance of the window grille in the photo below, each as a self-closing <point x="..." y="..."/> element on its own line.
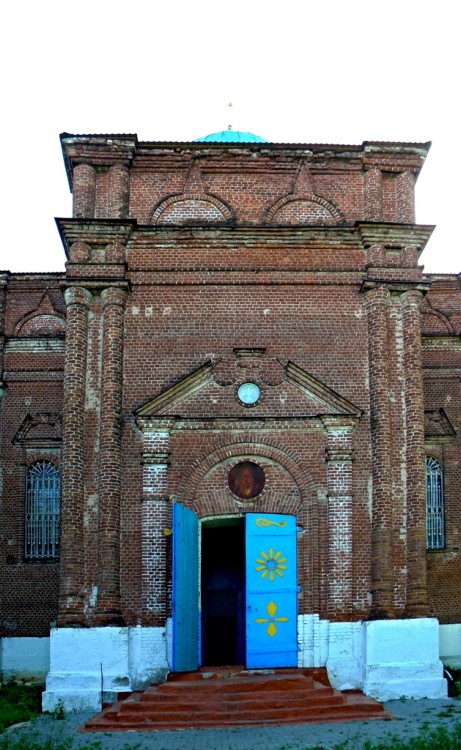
<point x="435" y="513"/>
<point x="43" y="499"/>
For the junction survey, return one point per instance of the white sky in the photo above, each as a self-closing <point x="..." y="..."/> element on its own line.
<point x="308" y="72"/>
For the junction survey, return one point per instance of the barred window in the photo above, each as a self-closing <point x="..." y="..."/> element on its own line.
<point x="43" y="499"/>
<point x="435" y="512"/>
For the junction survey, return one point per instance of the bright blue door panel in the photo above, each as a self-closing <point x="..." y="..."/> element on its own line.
<point x="271" y="591"/>
<point x="185" y="589"/>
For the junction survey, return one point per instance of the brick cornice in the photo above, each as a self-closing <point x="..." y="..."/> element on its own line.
<point x="103" y="150"/>
<point x="394" y="236"/>
<point x="94" y="231"/>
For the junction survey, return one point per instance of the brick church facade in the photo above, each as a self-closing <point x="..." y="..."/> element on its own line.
<point x="229" y="431"/>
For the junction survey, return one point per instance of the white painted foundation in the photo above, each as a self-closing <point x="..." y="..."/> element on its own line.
<point x="387" y="659"/>
<point x="401" y="658"/>
<point x="450" y="645"/>
<point x="24" y="658"/>
<point x="89" y="666"/>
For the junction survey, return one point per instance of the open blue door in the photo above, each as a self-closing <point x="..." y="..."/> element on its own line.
<point x="271" y="591"/>
<point x="185" y="589"/>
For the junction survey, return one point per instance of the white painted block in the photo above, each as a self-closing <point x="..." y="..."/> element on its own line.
<point x="25" y="658"/>
<point x="147" y="656"/>
<point x="450" y="645"/>
<point x="85" y="664"/>
<point x="345" y="657"/>
<point x="401" y="658"/>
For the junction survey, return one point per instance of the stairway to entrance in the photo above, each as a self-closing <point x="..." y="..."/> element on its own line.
<point x="234" y="696"/>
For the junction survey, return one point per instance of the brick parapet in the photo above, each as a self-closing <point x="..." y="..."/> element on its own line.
<point x="71" y="595"/>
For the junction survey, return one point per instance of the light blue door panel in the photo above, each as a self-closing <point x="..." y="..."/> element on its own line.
<point x="185" y="589"/>
<point x="271" y="591"/>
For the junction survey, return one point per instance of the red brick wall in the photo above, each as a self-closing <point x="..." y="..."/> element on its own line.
<point x="32" y="374"/>
<point x="442" y="361"/>
<point x="286" y="262"/>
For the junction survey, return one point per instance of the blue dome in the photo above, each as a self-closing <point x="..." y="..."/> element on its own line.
<point x="231" y="136"/>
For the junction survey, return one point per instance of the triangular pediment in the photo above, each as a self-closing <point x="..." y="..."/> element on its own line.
<point x="320" y="392"/>
<point x="437" y="426"/>
<point x="40" y="429"/>
<point x="181" y="390"/>
<point x="211" y="391"/>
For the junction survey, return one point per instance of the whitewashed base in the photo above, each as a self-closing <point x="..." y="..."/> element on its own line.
<point x="89" y="666"/>
<point x="450" y="645"/>
<point x="386" y="659"/>
<point x="402" y="659"/>
<point x="24" y="658"/>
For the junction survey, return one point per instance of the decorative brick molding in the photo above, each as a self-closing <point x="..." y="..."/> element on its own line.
<point x="40" y="429"/>
<point x="188" y="488"/>
<point x="45" y="319"/>
<point x="304" y="209"/>
<point x="185" y="208"/>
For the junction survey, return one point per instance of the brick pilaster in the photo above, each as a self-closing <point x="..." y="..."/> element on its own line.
<point x="416" y="491"/>
<point x="119" y="191"/>
<point x="397" y="412"/>
<point x="84" y="191"/>
<point x="108" y="611"/>
<point x="405" y="185"/>
<point x="377" y="301"/>
<point x="3" y="294"/>
<point x="156" y="521"/>
<point x="373" y="194"/>
<point x="71" y="594"/>
<point x="339" y="492"/>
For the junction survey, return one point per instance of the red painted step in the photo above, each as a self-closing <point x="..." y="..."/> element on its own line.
<point x="234" y="696"/>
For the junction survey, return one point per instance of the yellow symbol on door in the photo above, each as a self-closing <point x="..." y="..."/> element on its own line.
<point x="271" y="564"/>
<point x="264" y="522"/>
<point x="272" y="619"/>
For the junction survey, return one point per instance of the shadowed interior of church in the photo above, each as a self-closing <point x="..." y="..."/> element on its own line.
<point x="223" y="593"/>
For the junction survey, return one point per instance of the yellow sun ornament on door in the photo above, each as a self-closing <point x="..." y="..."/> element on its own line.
<point x="272" y="619"/>
<point x="270" y="565"/>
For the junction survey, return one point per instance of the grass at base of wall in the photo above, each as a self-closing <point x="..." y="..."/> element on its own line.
<point x="19" y="702"/>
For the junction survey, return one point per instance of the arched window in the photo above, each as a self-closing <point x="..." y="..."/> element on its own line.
<point x="435" y="513"/>
<point x="43" y="500"/>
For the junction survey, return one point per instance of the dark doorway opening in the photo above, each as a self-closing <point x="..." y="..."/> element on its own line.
<point x="223" y="591"/>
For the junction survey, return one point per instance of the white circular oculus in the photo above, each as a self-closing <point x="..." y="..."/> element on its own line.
<point x="249" y="393"/>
